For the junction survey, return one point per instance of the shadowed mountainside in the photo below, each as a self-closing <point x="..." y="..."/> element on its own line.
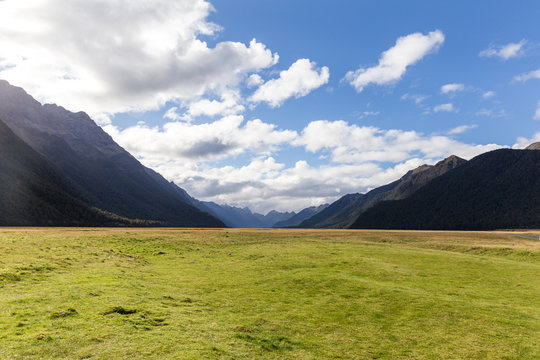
<point x="34" y="193"/>
<point x="345" y="211"/>
<point x="104" y="174"/>
<point x="496" y="190"/>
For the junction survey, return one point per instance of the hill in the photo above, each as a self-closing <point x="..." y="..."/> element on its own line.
<point x="346" y="210"/>
<point x="496" y="190"/>
<point x="104" y="174"/>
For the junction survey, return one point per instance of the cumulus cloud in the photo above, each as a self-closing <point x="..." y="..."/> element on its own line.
<point x="537" y="113"/>
<point x="523" y="142"/>
<point x="444" y="107"/>
<point x="355" y="144"/>
<point x="461" y="129"/>
<point x="393" y="63"/>
<point x="528" y="76"/>
<point x="451" y="88"/>
<point x="358" y="159"/>
<point x="504" y="52"/>
<point x="228" y="136"/>
<point x="282" y="188"/>
<point x="254" y="80"/>
<point x="110" y="56"/>
<point x="298" y="81"/>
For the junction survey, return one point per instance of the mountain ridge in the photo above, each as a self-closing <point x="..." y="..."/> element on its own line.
<point x="34" y="193"/>
<point x="343" y="212"/>
<point x="106" y="176"/>
<point x="495" y="190"/>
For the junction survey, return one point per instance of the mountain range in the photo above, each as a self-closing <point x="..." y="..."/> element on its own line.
<point x="496" y="190"/>
<point x="58" y="168"/>
<point x="343" y="212"/>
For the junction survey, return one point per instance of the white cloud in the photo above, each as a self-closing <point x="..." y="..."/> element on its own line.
<point x="488" y="94"/>
<point x="354" y="144"/>
<point x="110" y="56"/>
<point x="298" y="81"/>
<point x="444" y="107"/>
<point x="254" y="80"/>
<point x="505" y="52"/>
<point x="461" y="129"/>
<point x="225" y="137"/>
<point x="417" y="98"/>
<point x="282" y="188"/>
<point x="365" y="114"/>
<point x="172" y="114"/>
<point x="450" y="88"/>
<point x="528" y="76"/>
<point x="358" y="159"/>
<point x="523" y="142"/>
<point x="393" y="63"/>
<point x="537" y="113"/>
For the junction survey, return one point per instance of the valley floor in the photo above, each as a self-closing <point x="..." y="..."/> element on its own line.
<point x="268" y="294"/>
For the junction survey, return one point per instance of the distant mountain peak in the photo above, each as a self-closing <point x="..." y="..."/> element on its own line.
<point x="533" y="146"/>
<point x="452" y="159"/>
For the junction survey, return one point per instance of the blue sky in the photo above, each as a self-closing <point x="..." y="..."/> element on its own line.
<point x="330" y="98"/>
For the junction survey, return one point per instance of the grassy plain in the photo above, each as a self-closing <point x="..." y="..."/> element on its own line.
<point x="267" y="294"/>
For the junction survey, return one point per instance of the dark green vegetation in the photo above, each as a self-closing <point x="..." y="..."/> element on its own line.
<point x="343" y="212"/>
<point x="267" y="294"/>
<point x="496" y="190"/>
<point x="103" y="175"/>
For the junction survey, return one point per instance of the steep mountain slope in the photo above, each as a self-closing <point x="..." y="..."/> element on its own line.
<point x="301" y="216"/>
<point x="335" y="208"/>
<point x="34" y="193"/>
<point x="106" y="176"/>
<point x="346" y="212"/>
<point x="495" y="190"/>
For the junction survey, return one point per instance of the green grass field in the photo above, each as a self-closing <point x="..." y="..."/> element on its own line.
<point x="267" y="294"/>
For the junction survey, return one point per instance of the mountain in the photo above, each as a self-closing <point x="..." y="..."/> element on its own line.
<point x="34" y="193"/>
<point x="104" y="174"/>
<point x="273" y="217"/>
<point x="346" y="210"/>
<point x="336" y="207"/>
<point x="496" y="190"/>
<point x="301" y="216"/>
<point x="242" y="217"/>
<point x="533" y="146"/>
<point x="234" y="216"/>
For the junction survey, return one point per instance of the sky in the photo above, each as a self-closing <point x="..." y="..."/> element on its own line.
<point x="276" y="104"/>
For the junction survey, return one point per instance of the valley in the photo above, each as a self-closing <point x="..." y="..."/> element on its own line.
<point x="274" y="294"/>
